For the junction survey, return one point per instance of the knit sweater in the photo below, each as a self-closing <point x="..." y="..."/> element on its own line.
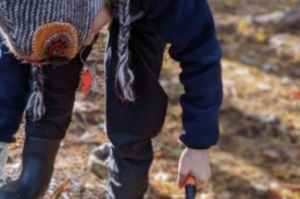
<point x="188" y="25"/>
<point x="20" y="19"/>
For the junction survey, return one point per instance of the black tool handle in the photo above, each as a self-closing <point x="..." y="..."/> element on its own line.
<point x="190" y="188"/>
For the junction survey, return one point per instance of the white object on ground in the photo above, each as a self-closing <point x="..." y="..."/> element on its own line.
<point x="3" y="161"/>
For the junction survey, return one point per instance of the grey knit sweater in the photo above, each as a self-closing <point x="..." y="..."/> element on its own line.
<point x="20" y="19"/>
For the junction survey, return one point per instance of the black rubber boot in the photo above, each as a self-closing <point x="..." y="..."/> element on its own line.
<point x="38" y="163"/>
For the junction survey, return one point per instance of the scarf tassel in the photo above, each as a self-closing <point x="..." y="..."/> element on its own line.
<point x="35" y="107"/>
<point x="124" y="84"/>
<point x="95" y="85"/>
<point x="124" y="75"/>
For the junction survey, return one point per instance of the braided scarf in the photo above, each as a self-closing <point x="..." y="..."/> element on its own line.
<point x="124" y="75"/>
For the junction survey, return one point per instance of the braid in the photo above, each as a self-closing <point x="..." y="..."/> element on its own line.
<point x="124" y="75"/>
<point x="35" y="106"/>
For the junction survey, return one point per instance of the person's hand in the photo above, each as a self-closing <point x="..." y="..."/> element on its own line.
<point x="103" y="18"/>
<point x="194" y="163"/>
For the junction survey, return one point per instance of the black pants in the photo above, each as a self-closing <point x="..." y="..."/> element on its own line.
<point x="61" y="83"/>
<point x="132" y="125"/>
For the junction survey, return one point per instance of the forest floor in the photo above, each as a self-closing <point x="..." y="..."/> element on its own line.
<point x="259" y="149"/>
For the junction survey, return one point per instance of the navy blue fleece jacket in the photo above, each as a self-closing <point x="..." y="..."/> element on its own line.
<point x="189" y="26"/>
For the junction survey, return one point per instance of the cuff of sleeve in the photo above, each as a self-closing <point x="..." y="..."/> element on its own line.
<point x="199" y="141"/>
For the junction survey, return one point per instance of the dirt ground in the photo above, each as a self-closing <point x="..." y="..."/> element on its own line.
<point x="259" y="149"/>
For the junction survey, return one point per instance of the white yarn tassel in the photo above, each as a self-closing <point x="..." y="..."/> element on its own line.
<point x="124" y="75"/>
<point x="35" y="106"/>
<point x="3" y="160"/>
<point x="95" y="86"/>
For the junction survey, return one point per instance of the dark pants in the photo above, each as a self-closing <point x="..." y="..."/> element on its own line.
<point x="132" y="125"/>
<point x="60" y="82"/>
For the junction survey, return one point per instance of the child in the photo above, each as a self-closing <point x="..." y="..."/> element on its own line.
<point x="136" y="103"/>
<point x="43" y="137"/>
<point x="48" y="89"/>
<point x="138" y="116"/>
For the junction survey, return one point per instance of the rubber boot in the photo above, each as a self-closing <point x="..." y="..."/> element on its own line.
<point x="38" y="162"/>
<point x="3" y="161"/>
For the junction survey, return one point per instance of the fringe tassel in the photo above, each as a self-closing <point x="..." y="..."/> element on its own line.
<point x="124" y="75"/>
<point x="92" y="69"/>
<point x="35" y="106"/>
<point x="95" y="85"/>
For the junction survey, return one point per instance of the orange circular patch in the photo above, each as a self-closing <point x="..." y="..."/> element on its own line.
<point x="46" y="32"/>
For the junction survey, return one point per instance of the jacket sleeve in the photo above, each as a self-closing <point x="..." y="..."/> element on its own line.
<point x="188" y="25"/>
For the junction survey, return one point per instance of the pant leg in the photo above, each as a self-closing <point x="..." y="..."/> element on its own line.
<point x="131" y="125"/>
<point x="14" y="88"/>
<point x="60" y="85"/>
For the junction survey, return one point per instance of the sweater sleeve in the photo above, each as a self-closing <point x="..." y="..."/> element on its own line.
<point x="188" y="25"/>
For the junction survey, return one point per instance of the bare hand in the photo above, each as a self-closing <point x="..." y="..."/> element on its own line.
<point x="194" y="163"/>
<point x="103" y="18"/>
